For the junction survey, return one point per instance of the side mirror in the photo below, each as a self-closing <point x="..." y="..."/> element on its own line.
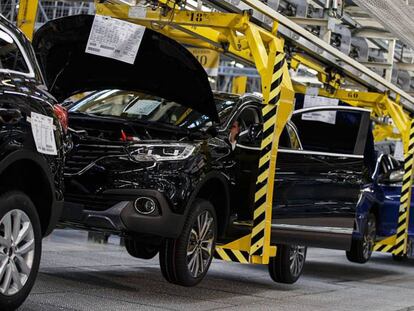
<point x="392" y="177"/>
<point x="254" y="131"/>
<point x="396" y="176"/>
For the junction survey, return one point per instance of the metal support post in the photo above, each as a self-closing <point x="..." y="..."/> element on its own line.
<point x="26" y="17"/>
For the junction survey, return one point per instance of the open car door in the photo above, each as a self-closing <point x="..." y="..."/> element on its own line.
<point x="318" y="182"/>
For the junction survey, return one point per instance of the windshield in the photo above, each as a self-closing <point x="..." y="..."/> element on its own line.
<point x="140" y="106"/>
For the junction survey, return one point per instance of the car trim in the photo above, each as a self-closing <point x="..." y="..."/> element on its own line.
<point x="354" y="156"/>
<point x="313" y="228"/>
<point x="303" y="110"/>
<point x="31" y="73"/>
<point x="293" y="127"/>
<point x="283" y="150"/>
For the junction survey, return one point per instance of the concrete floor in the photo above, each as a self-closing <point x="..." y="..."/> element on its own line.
<point x="78" y="275"/>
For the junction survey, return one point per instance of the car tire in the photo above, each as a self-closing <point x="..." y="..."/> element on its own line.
<point x="185" y="261"/>
<point x="287" y="266"/>
<point x="140" y="250"/>
<point x="20" y="248"/>
<point x="361" y="249"/>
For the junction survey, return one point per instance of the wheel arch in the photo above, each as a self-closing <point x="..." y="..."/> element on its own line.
<point x="214" y="188"/>
<point x="27" y="171"/>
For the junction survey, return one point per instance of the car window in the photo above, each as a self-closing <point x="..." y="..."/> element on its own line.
<point x="11" y="57"/>
<point x="133" y="105"/>
<point x="395" y="163"/>
<point x="248" y="117"/>
<point x="385" y="165"/>
<point x="240" y="130"/>
<point x="336" y="132"/>
<point x="289" y="139"/>
<point x="284" y="140"/>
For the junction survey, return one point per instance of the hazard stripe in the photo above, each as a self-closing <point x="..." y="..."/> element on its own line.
<point x="221" y="254"/>
<point x="269" y="123"/>
<point x="403" y="215"/>
<point x="232" y="255"/>
<point x="269" y="126"/>
<point x="384" y="248"/>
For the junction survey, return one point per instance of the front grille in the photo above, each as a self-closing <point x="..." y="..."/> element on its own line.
<point x="95" y="202"/>
<point x="86" y="152"/>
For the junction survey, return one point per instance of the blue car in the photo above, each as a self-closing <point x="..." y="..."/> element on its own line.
<point x="388" y="190"/>
<point x="378" y="207"/>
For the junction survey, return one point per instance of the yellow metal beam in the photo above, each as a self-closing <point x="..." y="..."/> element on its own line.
<point x="26" y="17"/>
<point x="328" y="77"/>
<point x="239" y="85"/>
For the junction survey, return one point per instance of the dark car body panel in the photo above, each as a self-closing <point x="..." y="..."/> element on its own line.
<point x="316" y="190"/>
<point x="24" y="93"/>
<point x="162" y="67"/>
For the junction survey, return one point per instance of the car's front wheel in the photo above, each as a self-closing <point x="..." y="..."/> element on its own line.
<point x="288" y="264"/>
<point x="185" y="260"/>
<point x="361" y="250"/>
<point x="20" y="248"/>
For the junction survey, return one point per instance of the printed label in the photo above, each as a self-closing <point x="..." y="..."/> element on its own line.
<point x="114" y="38"/>
<point x="43" y="133"/>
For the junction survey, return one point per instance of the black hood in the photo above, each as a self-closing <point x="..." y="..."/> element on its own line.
<point x="163" y="67"/>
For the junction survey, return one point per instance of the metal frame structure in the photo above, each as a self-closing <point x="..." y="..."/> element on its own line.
<point x="239" y="36"/>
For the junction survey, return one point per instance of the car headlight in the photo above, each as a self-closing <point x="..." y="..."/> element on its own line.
<point x="161" y="152"/>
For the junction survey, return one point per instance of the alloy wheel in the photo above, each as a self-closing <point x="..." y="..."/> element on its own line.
<point x="297" y="255"/>
<point x="369" y="238"/>
<point x="200" y="244"/>
<point x="17" y="247"/>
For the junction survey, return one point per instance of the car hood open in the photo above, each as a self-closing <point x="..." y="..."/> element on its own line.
<point x="163" y="67"/>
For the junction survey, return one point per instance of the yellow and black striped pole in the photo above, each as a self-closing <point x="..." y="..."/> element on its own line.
<point x="400" y="247"/>
<point x="265" y="180"/>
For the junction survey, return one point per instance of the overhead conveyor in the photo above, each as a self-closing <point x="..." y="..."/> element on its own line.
<point x="274" y="49"/>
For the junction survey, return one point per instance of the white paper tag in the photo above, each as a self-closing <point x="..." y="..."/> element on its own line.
<point x="114" y="38"/>
<point x="399" y="151"/>
<point x="137" y="12"/>
<point x="143" y="107"/>
<point x="312" y="91"/>
<point x="43" y="133"/>
<point x="321" y="116"/>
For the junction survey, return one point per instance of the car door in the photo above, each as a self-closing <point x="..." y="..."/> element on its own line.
<point x="317" y="183"/>
<point x="246" y="155"/>
<point x="389" y="192"/>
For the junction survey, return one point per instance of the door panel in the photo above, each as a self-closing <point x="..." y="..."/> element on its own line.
<point x="317" y="189"/>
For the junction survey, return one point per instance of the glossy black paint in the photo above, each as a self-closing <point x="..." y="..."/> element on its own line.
<point x="60" y="45"/>
<point x="314" y="190"/>
<point x="21" y="166"/>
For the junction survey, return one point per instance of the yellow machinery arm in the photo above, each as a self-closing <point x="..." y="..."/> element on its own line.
<point x="26" y="17"/>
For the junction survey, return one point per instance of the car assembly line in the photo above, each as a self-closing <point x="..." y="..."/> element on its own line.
<point x="142" y="147"/>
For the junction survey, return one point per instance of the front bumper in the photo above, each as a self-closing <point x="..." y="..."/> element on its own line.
<point x="122" y="216"/>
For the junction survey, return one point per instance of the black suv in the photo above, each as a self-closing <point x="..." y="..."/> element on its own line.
<point x="32" y="143"/>
<point x="173" y="168"/>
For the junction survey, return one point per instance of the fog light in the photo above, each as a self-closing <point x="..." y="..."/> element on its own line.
<point x="145" y="206"/>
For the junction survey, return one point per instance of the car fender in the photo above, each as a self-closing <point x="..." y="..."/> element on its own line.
<point x="40" y="161"/>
